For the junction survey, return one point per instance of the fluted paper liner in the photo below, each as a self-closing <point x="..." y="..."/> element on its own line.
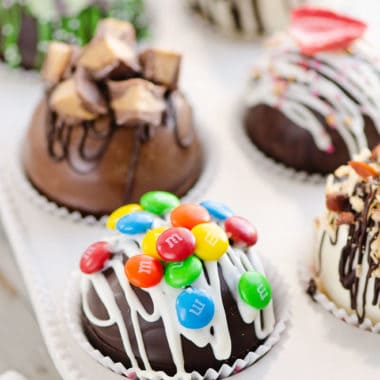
<point x="282" y="313"/>
<point x="16" y="175"/>
<point x="306" y="274"/>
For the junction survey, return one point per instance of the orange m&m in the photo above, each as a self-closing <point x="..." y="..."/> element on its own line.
<point x="189" y="215"/>
<point x="144" y="271"/>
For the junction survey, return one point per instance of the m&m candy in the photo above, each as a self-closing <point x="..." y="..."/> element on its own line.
<point x="175" y="244"/>
<point x="188" y="215"/>
<point x="183" y="273"/>
<point x="195" y="308"/>
<point x="241" y="231"/>
<point x="255" y="289"/>
<point x="159" y="202"/>
<point x="95" y="257"/>
<point x="149" y="242"/>
<point x="217" y="210"/>
<point x="120" y="212"/>
<point x="144" y="271"/>
<point x="135" y="223"/>
<point x="211" y="241"/>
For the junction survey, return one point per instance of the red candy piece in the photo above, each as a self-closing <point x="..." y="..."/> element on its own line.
<point x="175" y="244"/>
<point x="241" y="231"/>
<point x="318" y="29"/>
<point x="95" y="257"/>
<point x="189" y="215"/>
<point x="144" y="271"/>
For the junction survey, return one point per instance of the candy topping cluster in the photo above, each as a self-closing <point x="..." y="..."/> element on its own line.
<point x="177" y="252"/>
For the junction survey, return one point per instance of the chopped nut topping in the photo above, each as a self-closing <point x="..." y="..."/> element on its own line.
<point x="357" y="203"/>
<point x="363" y="169"/>
<point x="342" y="171"/>
<point x="337" y="201"/>
<point x="345" y="217"/>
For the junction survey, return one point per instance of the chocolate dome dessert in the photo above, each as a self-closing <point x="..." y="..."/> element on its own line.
<point x="175" y="293"/>
<point x="29" y="25"/>
<point x="112" y="124"/>
<point x="312" y="102"/>
<point x="245" y="17"/>
<point x="347" y="258"/>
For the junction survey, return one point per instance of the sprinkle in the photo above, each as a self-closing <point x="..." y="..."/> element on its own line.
<point x="316" y="64"/>
<point x="256" y="74"/>
<point x="347" y="121"/>
<point x="330" y="120"/>
<point x="315" y="93"/>
<point x="279" y="87"/>
<point x="304" y="64"/>
<point x="330" y="149"/>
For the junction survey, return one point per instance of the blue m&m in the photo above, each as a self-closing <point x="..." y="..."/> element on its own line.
<point x="217" y="210"/>
<point x="135" y="223"/>
<point x="195" y="308"/>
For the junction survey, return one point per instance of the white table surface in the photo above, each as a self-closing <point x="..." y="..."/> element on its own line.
<point x="21" y="346"/>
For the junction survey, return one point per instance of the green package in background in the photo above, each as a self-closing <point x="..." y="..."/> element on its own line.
<point x="27" y="26"/>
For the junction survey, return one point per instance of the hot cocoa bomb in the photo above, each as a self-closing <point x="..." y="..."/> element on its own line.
<point x="312" y="102"/>
<point x="179" y="289"/>
<point x="111" y="125"/>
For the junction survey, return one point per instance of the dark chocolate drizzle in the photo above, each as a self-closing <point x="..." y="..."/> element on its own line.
<point x="358" y="244"/>
<point x="62" y="148"/>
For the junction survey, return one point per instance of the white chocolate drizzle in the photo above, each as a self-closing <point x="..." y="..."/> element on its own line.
<point x="342" y="87"/>
<point x="233" y="264"/>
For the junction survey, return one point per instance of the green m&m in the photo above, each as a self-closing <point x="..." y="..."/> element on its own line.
<point x="159" y="202"/>
<point x="183" y="273"/>
<point x="255" y="289"/>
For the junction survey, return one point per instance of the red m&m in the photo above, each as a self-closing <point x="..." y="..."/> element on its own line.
<point x="144" y="271"/>
<point x="240" y="230"/>
<point x="188" y="215"/>
<point x="95" y="257"/>
<point x="175" y="244"/>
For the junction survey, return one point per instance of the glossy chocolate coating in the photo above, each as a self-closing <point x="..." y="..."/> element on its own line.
<point x="108" y="341"/>
<point x="284" y="141"/>
<point x="119" y="167"/>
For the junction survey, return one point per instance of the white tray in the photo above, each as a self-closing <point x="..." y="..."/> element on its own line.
<point x="317" y="345"/>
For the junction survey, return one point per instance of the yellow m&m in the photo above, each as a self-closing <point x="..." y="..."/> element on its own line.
<point x="149" y="241"/>
<point x="211" y="241"/>
<point x="120" y="212"/>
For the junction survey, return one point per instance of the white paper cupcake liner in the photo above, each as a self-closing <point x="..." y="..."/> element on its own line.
<point x="20" y="182"/>
<point x="263" y="161"/>
<point x="72" y="311"/>
<point x="306" y="273"/>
